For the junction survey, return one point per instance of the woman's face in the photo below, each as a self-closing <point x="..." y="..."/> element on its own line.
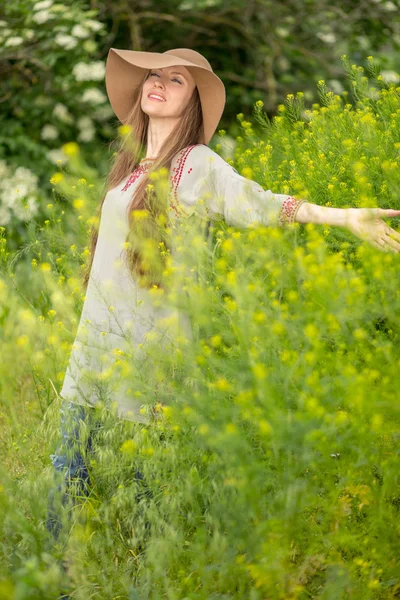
<point x="174" y="84"/>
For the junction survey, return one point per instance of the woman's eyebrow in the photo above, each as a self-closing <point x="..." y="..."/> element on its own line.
<point x="172" y="72"/>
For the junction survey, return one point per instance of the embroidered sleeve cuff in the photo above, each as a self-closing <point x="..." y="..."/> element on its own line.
<point x="289" y="210"/>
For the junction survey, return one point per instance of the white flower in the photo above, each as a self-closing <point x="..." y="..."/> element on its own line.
<point x="57" y="156"/>
<point x="43" y="4"/>
<point x="89" y="72"/>
<point x="335" y="85"/>
<point x="93" y="96"/>
<point x="29" y="34"/>
<point x="328" y="38"/>
<point x="29" y="208"/>
<point x="80" y="32"/>
<point x="3" y="169"/>
<point x="65" y="41"/>
<point x="390" y="76"/>
<point x="17" y="194"/>
<point x="87" y="132"/>
<point x="49" y="132"/>
<point x="373" y="93"/>
<point x="103" y="112"/>
<point x="309" y="95"/>
<point x="9" y="195"/>
<point x="86" y="135"/>
<point x="3" y="23"/>
<point x="42" y="101"/>
<point x="58" y="8"/>
<point x="5" y="216"/>
<point x="94" y="25"/>
<point x="22" y="174"/>
<point x="21" y="190"/>
<point x="19" y="212"/>
<point x="61" y="112"/>
<point x="283" y="63"/>
<point x="42" y="17"/>
<point x="363" y="42"/>
<point x="14" y="41"/>
<point x="389" y="6"/>
<point x="85" y="122"/>
<point x="281" y="31"/>
<point x="228" y="145"/>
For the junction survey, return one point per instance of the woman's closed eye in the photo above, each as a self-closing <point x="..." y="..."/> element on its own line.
<point x="174" y="79"/>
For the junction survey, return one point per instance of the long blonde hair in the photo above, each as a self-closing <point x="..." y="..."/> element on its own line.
<point x="188" y="132"/>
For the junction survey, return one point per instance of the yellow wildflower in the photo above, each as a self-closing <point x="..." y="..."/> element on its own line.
<point x="22" y="340"/>
<point x="223" y="385"/>
<point x="78" y="203"/>
<point x="56" y="178"/>
<point x="260" y="371"/>
<point x="265" y="426"/>
<point x="124" y="130"/>
<point x="227" y="245"/>
<point x="128" y="447"/>
<point x="230" y="428"/>
<point x="70" y="149"/>
<point x="216" y="340"/>
<point x="140" y="214"/>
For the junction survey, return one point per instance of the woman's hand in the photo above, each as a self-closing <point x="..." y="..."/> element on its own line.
<point x="368" y="225"/>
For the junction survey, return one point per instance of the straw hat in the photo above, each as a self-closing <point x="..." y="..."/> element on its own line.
<point x="125" y="70"/>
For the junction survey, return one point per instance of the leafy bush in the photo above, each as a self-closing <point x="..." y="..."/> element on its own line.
<point x="50" y="95"/>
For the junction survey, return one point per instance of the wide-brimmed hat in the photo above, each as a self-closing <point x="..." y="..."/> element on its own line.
<point x="125" y="70"/>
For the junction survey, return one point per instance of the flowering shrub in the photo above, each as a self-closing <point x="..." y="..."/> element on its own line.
<point x="273" y="454"/>
<point x="52" y="93"/>
<point x="51" y="90"/>
<point x="18" y="194"/>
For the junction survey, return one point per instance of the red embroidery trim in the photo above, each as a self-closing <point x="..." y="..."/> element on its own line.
<point x="177" y="174"/>
<point x="140" y="169"/>
<point x="175" y="177"/>
<point x="288" y="210"/>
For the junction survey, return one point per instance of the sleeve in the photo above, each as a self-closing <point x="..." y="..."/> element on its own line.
<point x="200" y="176"/>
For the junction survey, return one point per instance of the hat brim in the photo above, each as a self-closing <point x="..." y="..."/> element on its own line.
<point x="125" y="70"/>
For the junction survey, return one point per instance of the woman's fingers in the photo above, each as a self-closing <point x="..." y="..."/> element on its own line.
<point x="392" y="243"/>
<point x="386" y="244"/>
<point x="378" y="243"/>
<point x="390" y="212"/>
<point x="393" y="234"/>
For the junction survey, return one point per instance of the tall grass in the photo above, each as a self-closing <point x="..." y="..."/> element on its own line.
<point x="274" y="461"/>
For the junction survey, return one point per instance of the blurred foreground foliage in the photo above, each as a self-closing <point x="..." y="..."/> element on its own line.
<point x="274" y="459"/>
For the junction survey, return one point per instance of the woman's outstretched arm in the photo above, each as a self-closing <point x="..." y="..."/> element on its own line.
<point x="202" y="173"/>
<point x="365" y="223"/>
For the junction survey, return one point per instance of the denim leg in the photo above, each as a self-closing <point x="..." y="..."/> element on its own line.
<point x="69" y="460"/>
<point x="138" y="476"/>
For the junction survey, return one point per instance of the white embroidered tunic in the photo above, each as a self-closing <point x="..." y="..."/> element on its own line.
<point x="117" y="314"/>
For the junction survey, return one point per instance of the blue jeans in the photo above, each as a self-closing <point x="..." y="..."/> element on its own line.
<point x="70" y="459"/>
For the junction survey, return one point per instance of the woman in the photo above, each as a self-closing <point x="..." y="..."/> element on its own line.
<point x="173" y="103"/>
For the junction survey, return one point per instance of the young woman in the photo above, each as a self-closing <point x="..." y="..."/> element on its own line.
<point x="172" y="103"/>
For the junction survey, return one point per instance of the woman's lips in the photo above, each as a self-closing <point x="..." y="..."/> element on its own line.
<point x="156" y="99"/>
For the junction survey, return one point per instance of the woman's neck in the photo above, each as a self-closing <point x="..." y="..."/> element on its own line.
<point x="157" y="132"/>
